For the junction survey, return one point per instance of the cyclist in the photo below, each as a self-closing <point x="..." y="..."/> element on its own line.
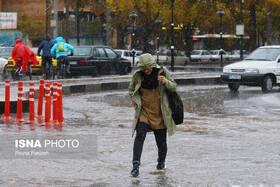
<point x="22" y="55"/>
<point x="45" y="46"/>
<point x="59" y="51"/>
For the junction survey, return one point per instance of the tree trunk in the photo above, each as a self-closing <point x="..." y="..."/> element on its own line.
<point x="269" y="24"/>
<point x="252" y="27"/>
<point x="68" y="2"/>
<point x="108" y="27"/>
<point x="48" y="16"/>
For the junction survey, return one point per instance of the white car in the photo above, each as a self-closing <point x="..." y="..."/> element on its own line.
<point x="3" y="64"/>
<point x="235" y="55"/>
<point x="216" y="55"/>
<point x="260" y="68"/>
<point x="164" y="58"/>
<point x="200" y="56"/>
<point x="127" y="54"/>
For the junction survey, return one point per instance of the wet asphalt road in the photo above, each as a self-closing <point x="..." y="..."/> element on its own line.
<point x="227" y="139"/>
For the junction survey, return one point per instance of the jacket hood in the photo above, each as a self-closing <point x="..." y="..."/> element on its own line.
<point x="20" y="40"/>
<point x="147" y="61"/>
<point x="59" y="39"/>
<point x="48" y="38"/>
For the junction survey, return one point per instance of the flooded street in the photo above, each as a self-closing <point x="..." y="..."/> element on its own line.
<point x="226" y="139"/>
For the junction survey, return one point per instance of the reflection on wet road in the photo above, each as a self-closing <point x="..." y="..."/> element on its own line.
<point x="226" y="139"/>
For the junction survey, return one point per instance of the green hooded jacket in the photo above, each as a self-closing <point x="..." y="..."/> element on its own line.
<point x="148" y="61"/>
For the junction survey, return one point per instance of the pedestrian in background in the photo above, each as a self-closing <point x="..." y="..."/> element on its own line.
<point x="45" y="46"/>
<point x="147" y="90"/>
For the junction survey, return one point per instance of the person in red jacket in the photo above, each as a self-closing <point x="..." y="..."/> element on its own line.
<point x="22" y="55"/>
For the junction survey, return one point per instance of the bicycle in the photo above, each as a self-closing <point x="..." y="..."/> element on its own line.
<point x="18" y="74"/>
<point x="62" y="71"/>
<point x="49" y="71"/>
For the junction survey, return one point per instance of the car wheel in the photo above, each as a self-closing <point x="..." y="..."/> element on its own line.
<point x="267" y="84"/>
<point x="95" y="72"/>
<point x="233" y="86"/>
<point x="124" y="70"/>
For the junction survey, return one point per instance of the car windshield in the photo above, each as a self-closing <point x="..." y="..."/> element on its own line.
<point x="6" y="51"/>
<point x="264" y="54"/>
<point x="119" y="52"/>
<point x="82" y="51"/>
<point x="214" y="52"/>
<point x="235" y="52"/>
<point x="195" y="52"/>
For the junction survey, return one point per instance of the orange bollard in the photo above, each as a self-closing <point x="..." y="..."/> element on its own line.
<point x="48" y="105"/>
<point x="60" y="105"/>
<point x="40" y="99"/>
<point x="31" y="103"/>
<point x="54" y="120"/>
<point x="7" y="100"/>
<point x="19" y="102"/>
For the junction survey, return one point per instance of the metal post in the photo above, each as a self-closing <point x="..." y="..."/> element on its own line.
<point x="132" y="44"/>
<point x="221" y="13"/>
<point x="55" y="19"/>
<point x="221" y="40"/>
<point x="78" y="23"/>
<point x="158" y="22"/>
<point x="133" y="16"/>
<point x="172" y="35"/>
<point x="241" y="22"/>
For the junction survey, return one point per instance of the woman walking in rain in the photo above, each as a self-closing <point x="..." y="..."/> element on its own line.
<point x="147" y="90"/>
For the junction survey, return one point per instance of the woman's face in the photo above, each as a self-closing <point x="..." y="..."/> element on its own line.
<point x="148" y="71"/>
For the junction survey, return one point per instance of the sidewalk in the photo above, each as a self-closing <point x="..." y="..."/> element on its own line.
<point x="184" y="75"/>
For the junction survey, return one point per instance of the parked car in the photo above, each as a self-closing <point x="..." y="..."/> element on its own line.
<point x="36" y="70"/>
<point x="180" y="59"/>
<point x="138" y="52"/>
<point x="97" y="60"/>
<point x="235" y="55"/>
<point x="127" y="54"/>
<point x="200" y="56"/>
<point x="260" y="68"/>
<point x="6" y="52"/>
<point x="3" y="64"/>
<point x="216" y="55"/>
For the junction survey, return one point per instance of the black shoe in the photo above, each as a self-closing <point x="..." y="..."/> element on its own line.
<point x="160" y="166"/>
<point x="135" y="171"/>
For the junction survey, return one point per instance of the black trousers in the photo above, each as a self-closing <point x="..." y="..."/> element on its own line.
<point x="46" y="60"/>
<point x="160" y="137"/>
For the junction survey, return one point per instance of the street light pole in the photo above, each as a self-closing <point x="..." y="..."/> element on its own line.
<point x="158" y="22"/>
<point x="133" y="15"/>
<point x="221" y="13"/>
<point x="241" y="22"/>
<point x="172" y="36"/>
<point x="78" y="22"/>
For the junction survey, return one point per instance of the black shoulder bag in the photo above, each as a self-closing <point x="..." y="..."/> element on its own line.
<point x="176" y="105"/>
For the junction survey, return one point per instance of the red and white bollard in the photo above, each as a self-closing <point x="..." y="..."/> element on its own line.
<point x="48" y="104"/>
<point x="60" y="105"/>
<point x="31" y="104"/>
<point x="55" y="120"/>
<point x="40" y="99"/>
<point x="7" y="100"/>
<point x="19" y="102"/>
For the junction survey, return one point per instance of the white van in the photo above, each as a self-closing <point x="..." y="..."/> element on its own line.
<point x="260" y="68"/>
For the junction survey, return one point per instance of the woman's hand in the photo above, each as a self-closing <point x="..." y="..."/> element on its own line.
<point x="162" y="79"/>
<point x="135" y="106"/>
